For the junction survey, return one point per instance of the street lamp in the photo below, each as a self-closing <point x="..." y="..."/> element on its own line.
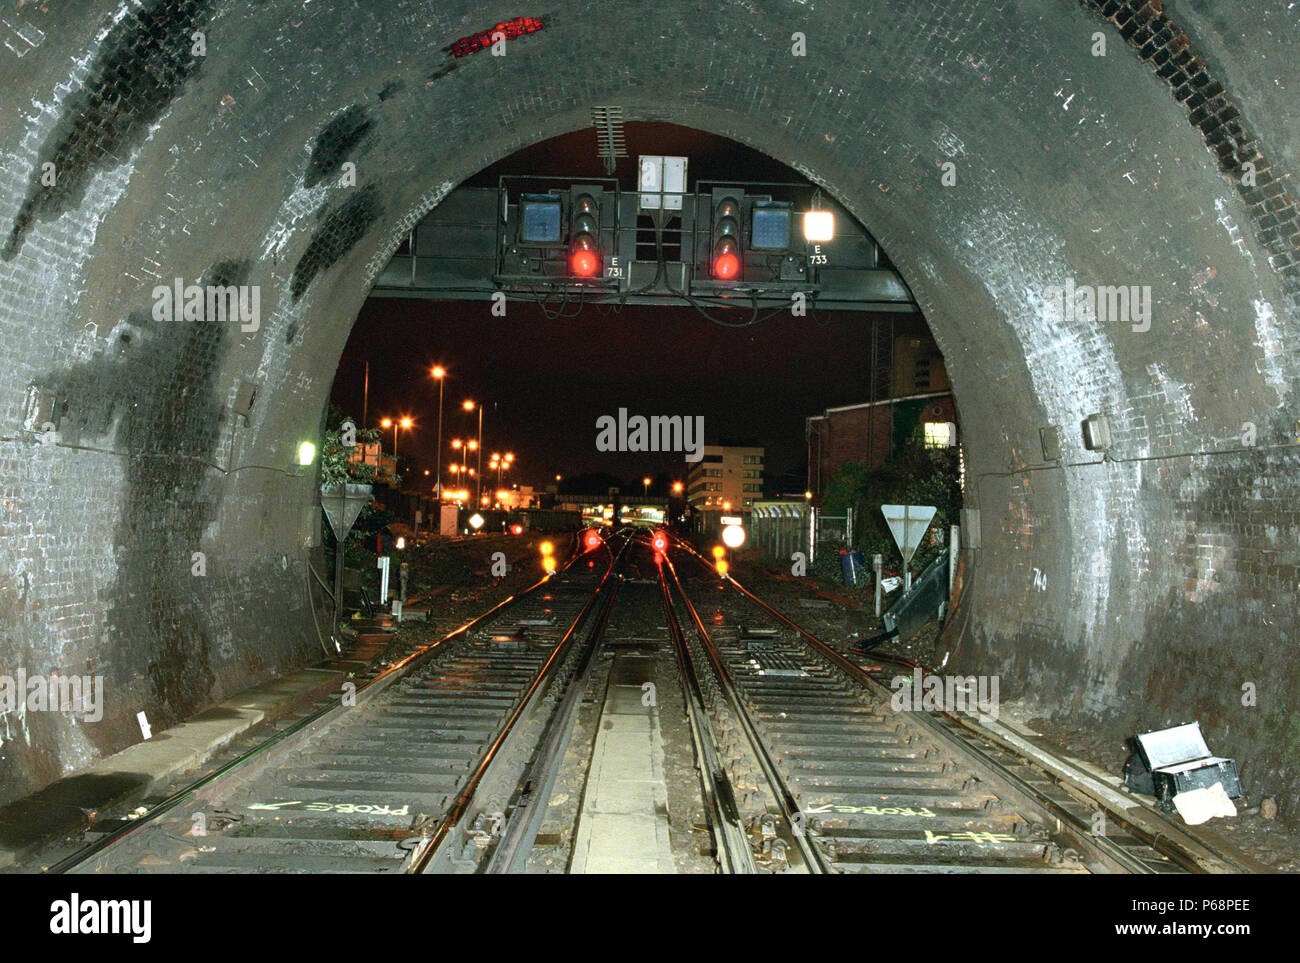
<point x="677" y="488"/>
<point x="646" y="483"/>
<point x="501" y="464"/>
<point x="403" y="422"/>
<point x="439" y="372"/>
<point x="470" y="406"/>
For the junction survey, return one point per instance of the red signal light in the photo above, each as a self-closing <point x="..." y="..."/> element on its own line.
<point x="591" y="540"/>
<point x="726" y="266"/>
<point x="660" y="542"/>
<point x="584" y="263"/>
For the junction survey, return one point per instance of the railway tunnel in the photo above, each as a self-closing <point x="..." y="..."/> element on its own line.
<point x="996" y="150"/>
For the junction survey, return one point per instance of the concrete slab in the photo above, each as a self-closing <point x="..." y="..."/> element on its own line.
<point x="624" y="796"/>
<point x="69" y="804"/>
<point x="623" y="827"/>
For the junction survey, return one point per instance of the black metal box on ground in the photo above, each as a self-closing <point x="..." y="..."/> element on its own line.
<point x="1179" y="761"/>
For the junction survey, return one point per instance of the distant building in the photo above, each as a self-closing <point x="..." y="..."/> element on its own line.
<point x="521" y="496"/>
<point x="725" y="480"/>
<point x="919" y="405"/>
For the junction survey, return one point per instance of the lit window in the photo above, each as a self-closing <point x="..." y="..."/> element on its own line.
<point x="940" y="434"/>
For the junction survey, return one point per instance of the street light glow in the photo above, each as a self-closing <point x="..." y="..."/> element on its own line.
<point x="438" y="371"/>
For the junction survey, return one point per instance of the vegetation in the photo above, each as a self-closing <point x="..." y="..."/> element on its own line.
<point x="915" y="475"/>
<point x="337" y="466"/>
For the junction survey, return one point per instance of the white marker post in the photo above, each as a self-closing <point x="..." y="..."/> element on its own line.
<point x="954" y="549"/>
<point x="878" y="563"/>
<point x="383" y="580"/>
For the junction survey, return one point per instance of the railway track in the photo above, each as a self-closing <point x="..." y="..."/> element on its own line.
<point x="447" y="761"/>
<point x="409" y="775"/>
<point x="854" y="786"/>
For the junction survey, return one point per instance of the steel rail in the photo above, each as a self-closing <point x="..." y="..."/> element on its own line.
<point x="1078" y="831"/>
<point x="366" y="690"/>
<point x="813" y="858"/>
<point x="423" y="853"/>
<point x="511" y="853"/>
<point x="730" y="839"/>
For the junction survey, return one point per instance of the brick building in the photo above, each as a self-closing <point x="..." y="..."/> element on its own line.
<point x="919" y="404"/>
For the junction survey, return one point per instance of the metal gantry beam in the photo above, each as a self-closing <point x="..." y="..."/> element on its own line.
<point x="467" y="249"/>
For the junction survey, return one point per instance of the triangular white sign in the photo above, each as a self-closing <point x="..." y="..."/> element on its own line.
<point x="907" y="523"/>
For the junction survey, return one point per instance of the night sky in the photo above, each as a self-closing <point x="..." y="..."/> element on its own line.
<point x="545" y="382"/>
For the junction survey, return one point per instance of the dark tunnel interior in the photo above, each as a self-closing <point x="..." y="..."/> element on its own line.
<point x="1129" y="492"/>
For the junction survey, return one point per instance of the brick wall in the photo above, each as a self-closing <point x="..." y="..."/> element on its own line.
<point x="1170" y="569"/>
<point x="868" y="434"/>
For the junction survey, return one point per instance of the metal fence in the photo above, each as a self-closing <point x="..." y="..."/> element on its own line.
<point x="781" y="528"/>
<point x="786" y="527"/>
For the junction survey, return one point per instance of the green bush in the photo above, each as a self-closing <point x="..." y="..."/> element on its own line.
<point x="915" y="475"/>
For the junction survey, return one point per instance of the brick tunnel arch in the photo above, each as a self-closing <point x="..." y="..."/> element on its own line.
<point x="1106" y="590"/>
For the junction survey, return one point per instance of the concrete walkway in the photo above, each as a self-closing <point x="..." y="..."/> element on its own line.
<point x="623" y="827"/>
<point x="69" y="804"/>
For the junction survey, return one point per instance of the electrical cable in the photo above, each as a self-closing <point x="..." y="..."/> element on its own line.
<point x="170" y="455"/>
<point x="314" y="620"/>
<point x="1109" y="459"/>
